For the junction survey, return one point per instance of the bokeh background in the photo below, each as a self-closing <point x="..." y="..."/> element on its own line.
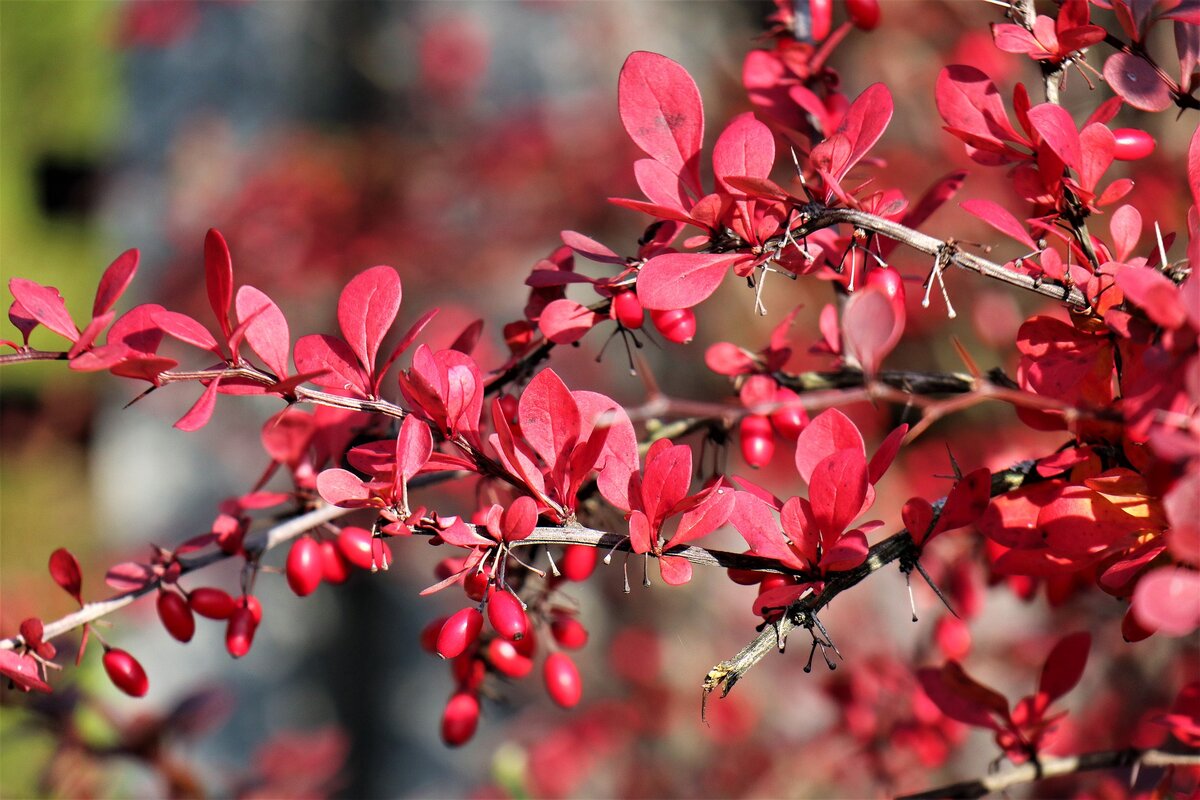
<point x="452" y="141"/>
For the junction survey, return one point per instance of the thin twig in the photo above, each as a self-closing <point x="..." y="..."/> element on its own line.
<point x="1055" y="767"/>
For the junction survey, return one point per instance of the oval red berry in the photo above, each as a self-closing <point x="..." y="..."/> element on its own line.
<point x="562" y="680"/>
<point x="176" y="616"/>
<point x="304" y="566"/>
<point x="126" y="673"/>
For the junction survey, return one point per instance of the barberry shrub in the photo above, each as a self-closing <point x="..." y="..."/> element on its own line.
<point x="1000" y="426"/>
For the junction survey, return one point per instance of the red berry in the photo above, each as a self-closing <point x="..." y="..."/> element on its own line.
<point x="304" y="566"/>
<point x="243" y="623"/>
<point x="820" y="18"/>
<point x="334" y="567"/>
<point x="126" y="673"/>
<point x="1132" y="144"/>
<point x="744" y="577"/>
<point x="429" y="634"/>
<point x="527" y="644"/>
<point x="355" y="544"/>
<point x="459" y="632"/>
<point x="460" y="719"/>
<point x="506" y="614"/>
<point x="788" y="421"/>
<point x="758" y="440"/>
<point x="627" y="309"/>
<point x="578" y="562"/>
<point x="569" y="632"/>
<point x="562" y="680"/>
<point x="677" y="325"/>
<point x="504" y="658"/>
<point x="212" y="603"/>
<point x="863" y="13"/>
<point x="468" y="671"/>
<point x="176" y="616"/>
<point x="774" y="581"/>
<point x="475" y="584"/>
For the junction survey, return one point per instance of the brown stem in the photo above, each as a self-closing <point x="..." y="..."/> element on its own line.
<point x="1054" y="767"/>
<point x="802" y="613"/>
<point x="22" y="356"/>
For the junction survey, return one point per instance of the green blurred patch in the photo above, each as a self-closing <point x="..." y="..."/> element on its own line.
<point x="59" y="112"/>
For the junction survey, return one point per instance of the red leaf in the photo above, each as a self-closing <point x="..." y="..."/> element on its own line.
<point x="1193" y="169"/>
<point x="703" y="519"/>
<point x="185" y="329"/>
<point x="519" y="519"/>
<point x="745" y="148"/>
<point x="334" y="360"/>
<point x="886" y="454"/>
<point x="589" y="248"/>
<point x="1061" y="362"/>
<point x="829" y="432"/>
<point x="1126" y="228"/>
<point x="44" y="304"/>
<point x="1098" y="147"/>
<point x="267" y="332"/>
<point x="366" y="310"/>
<point x="1081" y="522"/>
<point x="128" y="576"/>
<point x="114" y="281"/>
<point x="1064" y="666"/>
<point x="64" y="569"/>
<point x="549" y="419"/>
<point x="201" y="412"/>
<point x="1000" y="219"/>
<point x="414" y="446"/>
<point x="1168" y="600"/>
<point x="641" y="535"/>
<point x="918" y="517"/>
<point x="218" y="276"/>
<point x="342" y="488"/>
<point x="1136" y="80"/>
<point x="463" y="535"/>
<point x="88" y="337"/>
<point x="752" y="517"/>
<point x="966" y="502"/>
<point x="871" y="328"/>
<point x="661" y="110"/>
<point x="1155" y="294"/>
<point x="564" y="321"/>
<point x="681" y="280"/>
<point x="405" y="342"/>
<point x="661" y="186"/>
<point x="969" y="101"/>
<point x="960" y="697"/>
<point x="22" y="670"/>
<point x="837" y="490"/>
<point x="847" y="552"/>
<point x="665" y="480"/>
<point x="675" y="571"/>
<point x="863" y="125"/>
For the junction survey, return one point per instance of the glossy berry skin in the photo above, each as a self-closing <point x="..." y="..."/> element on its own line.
<point x="460" y="719"/>
<point x="211" y="603"/>
<point x="506" y="615"/>
<point x="126" y="673"/>
<point x="460" y="630"/>
<point x="788" y="421"/>
<point x="504" y="658"/>
<point x="627" y="309"/>
<point x="569" y="632"/>
<point x="744" y="577"/>
<point x="677" y="325"/>
<point x="863" y="13"/>
<point x="356" y="546"/>
<point x="562" y="680"/>
<point x="1132" y="144"/>
<point x="475" y="584"/>
<point x="758" y="440"/>
<point x="243" y="623"/>
<point x="578" y="562"/>
<point x="176" y="616"/>
<point x="334" y="567"/>
<point x="820" y="18"/>
<point x="304" y="568"/>
<point x="429" y="634"/>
